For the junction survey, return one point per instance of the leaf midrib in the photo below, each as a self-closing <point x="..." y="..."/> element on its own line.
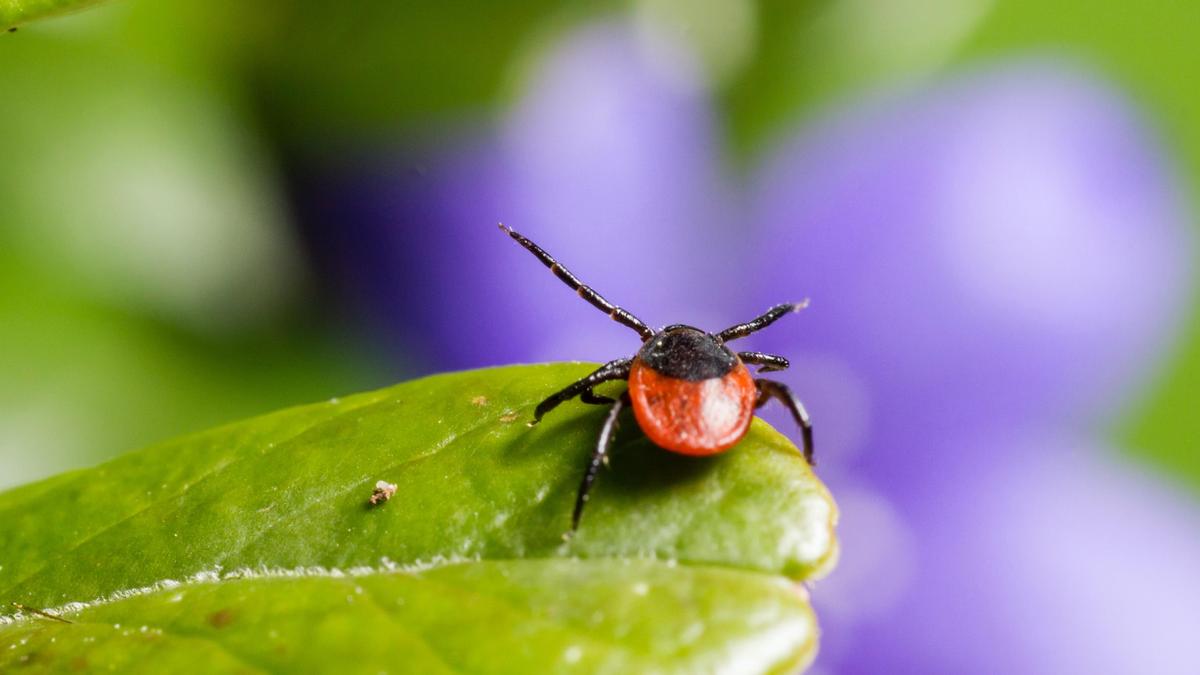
<point x="577" y="632"/>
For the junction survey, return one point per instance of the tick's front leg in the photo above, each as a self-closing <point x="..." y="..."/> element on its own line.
<point x="613" y="370"/>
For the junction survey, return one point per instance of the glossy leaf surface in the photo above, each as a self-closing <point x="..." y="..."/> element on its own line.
<point x="16" y="12"/>
<point x="263" y="526"/>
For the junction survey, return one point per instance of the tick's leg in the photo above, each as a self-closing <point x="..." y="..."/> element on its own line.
<point x="590" y="397"/>
<point x="771" y="316"/>
<point x="768" y="389"/>
<point x="617" y="314"/>
<point x="768" y="362"/>
<point x="613" y="370"/>
<point x="599" y="456"/>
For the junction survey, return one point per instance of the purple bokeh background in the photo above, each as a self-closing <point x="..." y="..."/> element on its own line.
<point x="996" y="263"/>
<point x="1006" y="249"/>
<point x="609" y="167"/>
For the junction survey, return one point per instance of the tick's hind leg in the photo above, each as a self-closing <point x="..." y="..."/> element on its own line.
<point x="613" y="370"/>
<point x="599" y="456"/>
<point x="768" y="389"/>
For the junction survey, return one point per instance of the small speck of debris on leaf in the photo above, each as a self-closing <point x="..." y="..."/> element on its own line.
<point x="509" y="417"/>
<point x="479" y="401"/>
<point x="220" y="618"/>
<point x="383" y="492"/>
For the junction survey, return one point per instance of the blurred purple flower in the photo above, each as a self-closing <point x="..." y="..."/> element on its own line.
<point x="1060" y="559"/>
<point x="996" y="255"/>
<point x="600" y="164"/>
<point x="1003" y="253"/>
<point x="1007" y="249"/>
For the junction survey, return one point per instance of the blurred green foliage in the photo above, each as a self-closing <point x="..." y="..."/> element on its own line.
<point x="149" y="280"/>
<point x="387" y="67"/>
<point x="212" y="98"/>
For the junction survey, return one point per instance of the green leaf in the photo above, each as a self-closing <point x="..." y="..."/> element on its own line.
<point x="253" y="544"/>
<point x="14" y="13"/>
<point x="382" y="66"/>
<point x="494" y="616"/>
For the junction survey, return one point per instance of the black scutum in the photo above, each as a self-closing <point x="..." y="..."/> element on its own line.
<point x="687" y="353"/>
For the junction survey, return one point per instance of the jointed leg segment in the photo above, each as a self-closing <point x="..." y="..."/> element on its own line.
<point x="590" y="397"/>
<point x="768" y="389"/>
<point x="613" y="370"/>
<point x="768" y="362"/>
<point x="599" y="457"/>
<point x="769" y="317"/>
<point x="617" y="314"/>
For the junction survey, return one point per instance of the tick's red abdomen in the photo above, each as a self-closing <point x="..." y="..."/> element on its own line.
<point x="692" y="417"/>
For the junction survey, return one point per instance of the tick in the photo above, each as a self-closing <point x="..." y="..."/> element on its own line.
<point x="689" y="392"/>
